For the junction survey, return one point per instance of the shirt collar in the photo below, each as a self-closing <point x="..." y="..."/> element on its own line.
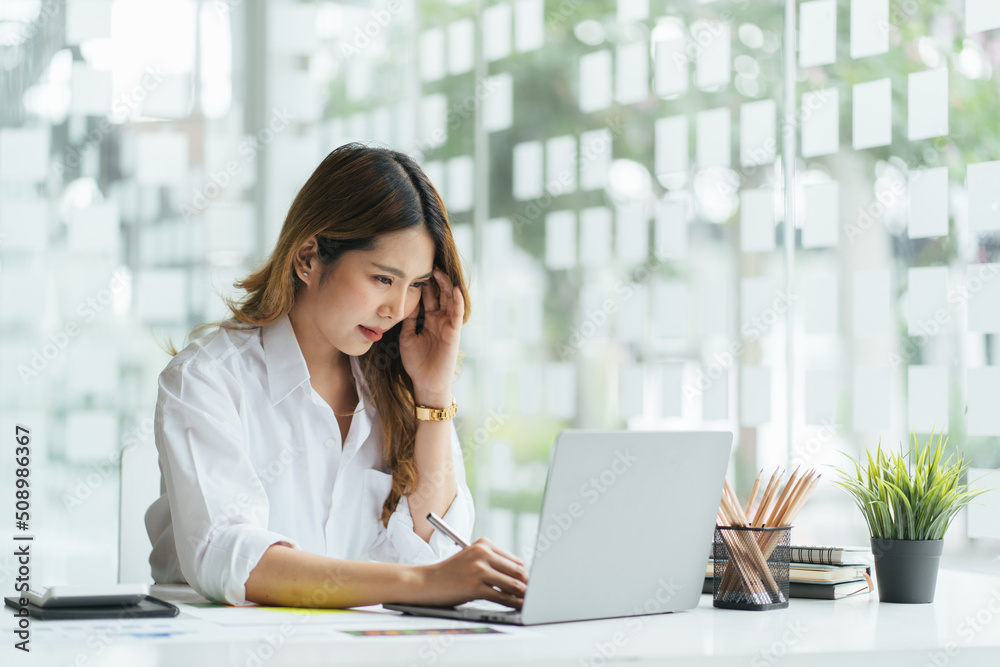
<point x="286" y="367"/>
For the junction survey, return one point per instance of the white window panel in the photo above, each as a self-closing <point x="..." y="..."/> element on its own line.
<point x="497" y="38"/>
<point x="529" y="25"/>
<point x="927" y="296"/>
<point x="498" y="106"/>
<point x="632" y="73"/>
<point x="821" y="227"/>
<point x="671" y="229"/>
<point x="928" y="104"/>
<point x="527" y="164"/>
<point x="984" y="196"/>
<point x="632" y="233"/>
<point x="460" y="185"/>
<point x="873" y="312"/>
<point x="671" y="145"/>
<point x="432" y="54"/>
<point x="90" y="91"/>
<point x="560" y="166"/>
<point x="713" y="64"/>
<point x="560" y="240"/>
<point x="822" y="391"/>
<point x="820" y="122"/>
<point x="595" y="236"/>
<point x="928" y="203"/>
<point x="713" y="128"/>
<point x="869" y="27"/>
<point x="981" y="15"/>
<point x="95" y="230"/>
<point x="928" y="399"/>
<point x="817" y="33"/>
<point x="461" y="39"/>
<point x="24" y="154"/>
<point x="595" y="81"/>
<point x="757" y="220"/>
<point x="671" y="68"/>
<point x="982" y="284"/>
<point x="983" y="393"/>
<point x="870" y="398"/>
<point x="87" y="19"/>
<point x="819" y="303"/>
<point x="632" y="10"/>
<point x="595" y="158"/>
<point x="161" y="158"/>
<point x="560" y="381"/>
<point x="755" y="395"/>
<point x="758" y="141"/>
<point x="872" y="114"/>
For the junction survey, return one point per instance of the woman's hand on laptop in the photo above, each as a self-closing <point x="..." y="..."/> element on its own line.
<point x="483" y="571"/>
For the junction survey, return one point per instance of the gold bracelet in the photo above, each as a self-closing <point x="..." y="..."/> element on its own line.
<point x="436" y="414"/>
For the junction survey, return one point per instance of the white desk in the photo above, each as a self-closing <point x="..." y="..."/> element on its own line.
<point x="962" y="627"/>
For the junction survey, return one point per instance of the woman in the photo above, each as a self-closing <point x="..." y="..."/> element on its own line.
<point x="303" y="442"/>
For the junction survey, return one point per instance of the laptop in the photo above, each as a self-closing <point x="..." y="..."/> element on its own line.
<point x="626" y="523"/>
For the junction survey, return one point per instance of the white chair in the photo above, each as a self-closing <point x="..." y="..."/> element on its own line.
<point x="140" y="486"/>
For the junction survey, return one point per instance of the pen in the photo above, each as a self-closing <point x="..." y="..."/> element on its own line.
<point x="439" y="523"/>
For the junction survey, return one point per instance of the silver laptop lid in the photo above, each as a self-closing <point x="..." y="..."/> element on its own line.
<point x="626" y="524"/>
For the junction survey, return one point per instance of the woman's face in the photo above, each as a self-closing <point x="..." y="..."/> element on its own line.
<point x="369" y="291"/>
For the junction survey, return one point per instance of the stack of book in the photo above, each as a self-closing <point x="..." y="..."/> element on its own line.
<point x="825" y="573"/>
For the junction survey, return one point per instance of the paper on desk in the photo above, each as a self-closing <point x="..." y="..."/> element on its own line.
<point x="370" y="618"/>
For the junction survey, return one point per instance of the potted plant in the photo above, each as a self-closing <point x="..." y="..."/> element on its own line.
<point x="908" y="505"/>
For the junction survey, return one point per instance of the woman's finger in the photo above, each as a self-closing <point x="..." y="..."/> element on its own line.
<point x="445" y="287"/>
<point x="506" y="554"/>
<point x="427" y="296"/>
<point x="508" y="569"/>
<point x="506" y="584"/>
<point x="493" y="595"/>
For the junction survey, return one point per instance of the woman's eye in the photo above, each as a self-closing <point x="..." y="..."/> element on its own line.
<point x="418" y="285"/>
<point x="384" y="280"/>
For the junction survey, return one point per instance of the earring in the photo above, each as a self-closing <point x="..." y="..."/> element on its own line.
<point x="304" y="274"/>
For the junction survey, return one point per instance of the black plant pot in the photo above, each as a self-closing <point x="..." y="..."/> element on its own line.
<point x="906" y="569"/>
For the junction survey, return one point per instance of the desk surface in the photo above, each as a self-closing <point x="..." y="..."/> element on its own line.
<point x="962" y="627"/>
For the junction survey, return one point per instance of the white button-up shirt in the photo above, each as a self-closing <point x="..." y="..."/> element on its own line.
<point x="251" y="455"/>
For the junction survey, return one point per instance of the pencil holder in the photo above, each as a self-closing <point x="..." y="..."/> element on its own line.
<point x="751" y="567"/>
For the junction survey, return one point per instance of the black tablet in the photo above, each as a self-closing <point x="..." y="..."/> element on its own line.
<point x="148" y="607"/>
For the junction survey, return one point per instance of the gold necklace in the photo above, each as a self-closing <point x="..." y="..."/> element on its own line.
<point x="351" y="414"/>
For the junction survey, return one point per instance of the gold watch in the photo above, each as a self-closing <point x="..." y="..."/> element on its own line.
<point x="436" y="414"/>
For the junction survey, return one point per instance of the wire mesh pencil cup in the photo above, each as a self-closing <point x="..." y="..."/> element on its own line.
<point x="751" y="567"/>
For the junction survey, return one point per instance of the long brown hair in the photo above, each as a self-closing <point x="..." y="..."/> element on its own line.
<point x="355" y="195"/>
